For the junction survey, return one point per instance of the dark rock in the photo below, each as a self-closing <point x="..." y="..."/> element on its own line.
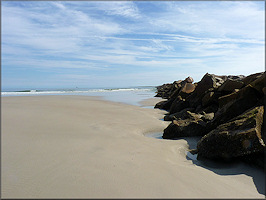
<point x="178" y="115"/>
<point x="255" y="159"/>
<point x="193" y="125"/>
<point x="171" y="90"/>
<point x="194" y="116"/>
<point x="226" y="108"/>
<point x="238" y="137"/>
<point x="205" y="92"/>
<point x="208" y="81"/>
<point x="165" y="105"/>
<point x="230" y="85"/>
<point x="211" y="98"/>
<point x="175" y="93"/>
<point x="213" y="108"/>
<point x="165" y="90"/>
<point x="264" y="90"/>
<point x="178" y="105"/>
<point x="259" y="83"/>
<point x="193" y="100"/>
<point x="251" y="78"/>
<point x="184" y="128"/>
<point x="160" y="104"/>
<point x="207" y="98"/>
<point x="236" y="103"/>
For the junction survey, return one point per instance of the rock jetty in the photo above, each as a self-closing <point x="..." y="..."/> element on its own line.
<point x="227" y="111"/>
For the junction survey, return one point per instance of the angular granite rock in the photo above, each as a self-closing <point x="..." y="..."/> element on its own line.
<point x="208" y="81"/>
<point x="236" y="103"/>
<point x="207" y="98"/>
<point x="251" y="78"/>
<point x="190" y="125"/>
<point x="165" y="90"/>
<point x="178" y="104"/>
<point x="178" y="115"/>
<point x="238" y="137"/>
<point x="259" y="83"/>
<point x="230" y="85"/>
<point x="174" y="92"/>
<point x="165" y="105"/>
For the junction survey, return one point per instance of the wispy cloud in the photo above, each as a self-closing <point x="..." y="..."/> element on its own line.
<point x="127" y="38"/>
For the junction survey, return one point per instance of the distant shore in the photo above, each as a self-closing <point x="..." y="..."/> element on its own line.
<point x="86" y="147"/>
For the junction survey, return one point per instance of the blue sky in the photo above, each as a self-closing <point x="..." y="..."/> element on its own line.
<point x="93" y="44"/>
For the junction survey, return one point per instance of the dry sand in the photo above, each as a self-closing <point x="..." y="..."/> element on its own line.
<point x="84" y="147"/>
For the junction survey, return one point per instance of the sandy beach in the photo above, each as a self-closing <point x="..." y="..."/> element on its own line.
<point x="85" y="147"/>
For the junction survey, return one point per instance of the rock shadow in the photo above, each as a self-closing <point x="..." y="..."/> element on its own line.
<point x="224" y="168"/>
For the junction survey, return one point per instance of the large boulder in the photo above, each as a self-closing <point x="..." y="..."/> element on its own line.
<point x="236" y="103"/>
<point x="230" y="85"/>
<point x="208" y="98"/>
<point x="238" y="137"/>
<point x="251" y="78"/>
<point x="192" y="125"/>
<point x="208" y="81"/>
<point x="205" y="92"/>
<point x="259" y="83"/>
<point x="248" y="93"/>
<point x="164" y="105"/>
<point x="170" y="90"/>
<point x="174" y="92"/>
<point x="178" y="115"/>
<point x="178" y="104"/>
<point x="211" y="97"/>
<point x="164" y="90"/>
<point x="254" y="159"/>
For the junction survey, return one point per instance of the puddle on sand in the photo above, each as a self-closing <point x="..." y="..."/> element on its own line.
<point x="157" y="135"/>
<point x="149" y="107"/>
<point x="190" y="156"/>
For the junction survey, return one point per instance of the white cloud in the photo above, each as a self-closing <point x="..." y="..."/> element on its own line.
<point x="177" y="38"/>
<point x="126" y="9"/>
<point x="220" y="19"/>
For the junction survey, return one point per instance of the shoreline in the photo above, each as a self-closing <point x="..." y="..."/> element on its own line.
<point x="87" y="147"/>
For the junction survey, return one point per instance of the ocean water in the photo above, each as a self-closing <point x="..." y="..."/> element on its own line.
<point x="132" y="95"/>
